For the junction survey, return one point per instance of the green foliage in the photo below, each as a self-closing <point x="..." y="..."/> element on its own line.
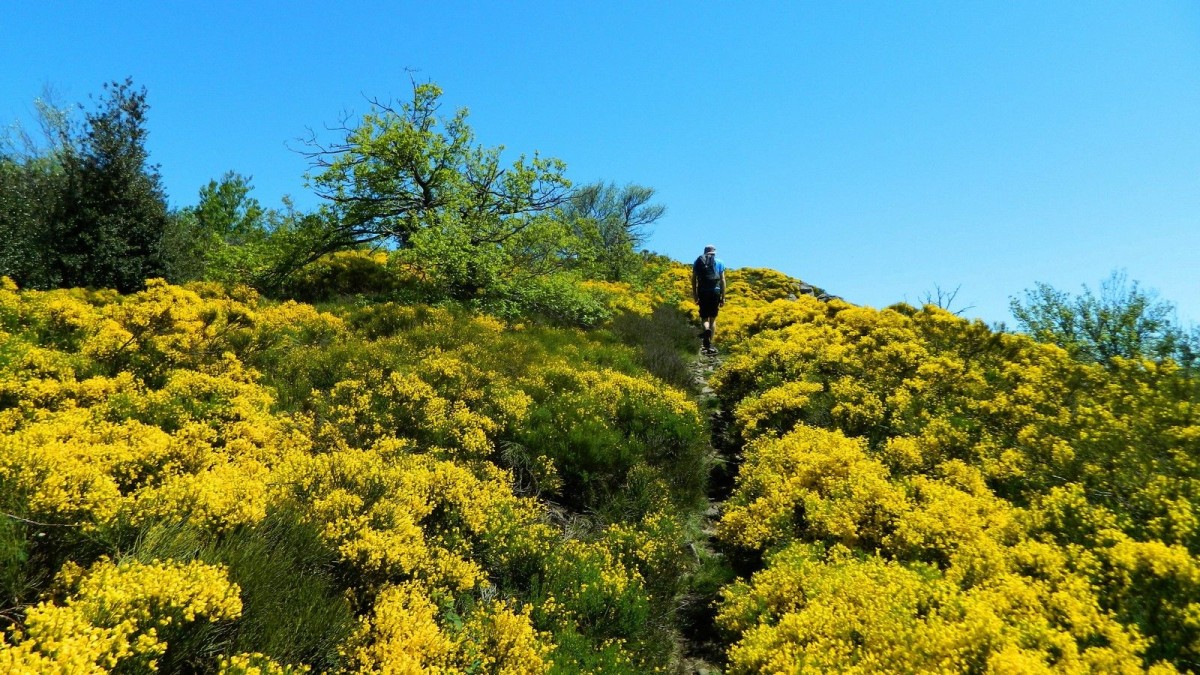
<point x="626" y="446"/>
<point x="1121" y="321"/>
<point x="577" y="653"/>
<point x="229" y="237"/>
<point x="461" y="267"/>
<point x="115" y="212"/>
<point x="412" y="177"/>
<point x="554" y="299"/>
<point x="610" y="224"/>
<point x="227" y="210"/>
<point x="664" y="339"/>
<point x="557" y="299"/>
<point x="206" y="241"/>
<point x="13" y="555"/>
<point x="614" y="591"/>
<point x="293" y="609"/>
<point x="88" y="210"/>
<point x="404" y="169"/>
<point x="582" y="579"/>
<point x="31" y="191"/>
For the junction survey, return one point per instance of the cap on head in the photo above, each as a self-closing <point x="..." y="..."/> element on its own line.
<point x="710" y="249"/>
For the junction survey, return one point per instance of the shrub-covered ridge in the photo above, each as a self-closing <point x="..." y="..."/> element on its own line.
<point x="921" y="493"/>
<point x="381" y="484"/>
<point x="387" y="487"/>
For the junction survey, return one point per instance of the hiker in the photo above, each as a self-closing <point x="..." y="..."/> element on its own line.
<point x="708" y="290"/>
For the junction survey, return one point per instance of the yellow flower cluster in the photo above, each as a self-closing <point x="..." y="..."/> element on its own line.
<point x="623" y="297"/>
<point x="604" y="393"/>
<point x="397" y="515"/>
<point x="932" y="495"/>
<point x="109" y="451"/>
<point x="821" y="478"/>
<point x="403" y="635"/>
<point x="401" y="404"/>
<point x="815" y="611"/>
<point x="405" y="440"/>
<point x="118" y="615"/>
<point x="256" y="663"/>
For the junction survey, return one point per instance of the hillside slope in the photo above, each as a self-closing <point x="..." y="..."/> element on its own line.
<point x="196" y="478"/>
<point x="920" y="493"/>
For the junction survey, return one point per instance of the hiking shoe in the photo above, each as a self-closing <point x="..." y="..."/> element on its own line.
<point x="710" y="351"/>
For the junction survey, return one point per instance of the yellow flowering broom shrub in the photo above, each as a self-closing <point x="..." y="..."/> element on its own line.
<point x="403" y="635"/>
<point x="817" y="611"/>
<point x="178" y="418"/>
<point x="1055" y="495"/>
<point x="916" y="492"/>
<point x="118" y="616"/>
<point x="397" y="516"/>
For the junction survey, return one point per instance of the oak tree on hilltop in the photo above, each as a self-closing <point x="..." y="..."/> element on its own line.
<point x="408" y="176"/>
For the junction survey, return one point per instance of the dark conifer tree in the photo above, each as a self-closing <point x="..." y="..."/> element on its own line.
<point x="114" y="214"/>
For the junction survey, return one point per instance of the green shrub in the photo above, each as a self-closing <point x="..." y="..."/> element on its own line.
<point x="339" y="275"/>
<point x="598" y="426"/>
<point x="13" y="555"/>
<point x="557" y="299"/>
<point x="294" y="609"/>
<point x="664" y="340"/>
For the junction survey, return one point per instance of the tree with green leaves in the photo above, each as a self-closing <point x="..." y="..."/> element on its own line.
<point x="227" y="210"/>
<point x="115" y="211"/>
<point x="408" y="176"/>
<point x="1123" y="320"/>
<point x="32" y="186"/>
<point x="28" y="193"/>
<point x="88" y="209"/>
<point x="229" y="236"/>
<point x="212" y="239"/>
<point x="611" y="223"/>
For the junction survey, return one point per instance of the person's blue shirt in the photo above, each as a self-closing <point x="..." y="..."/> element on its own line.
<point x="701" y="273"/>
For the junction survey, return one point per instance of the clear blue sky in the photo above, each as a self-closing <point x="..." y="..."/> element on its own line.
<point x="876" y="149"/>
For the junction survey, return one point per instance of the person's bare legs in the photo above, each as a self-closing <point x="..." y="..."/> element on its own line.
<point x="710" y="330"/>
<point x="710" y="325"/>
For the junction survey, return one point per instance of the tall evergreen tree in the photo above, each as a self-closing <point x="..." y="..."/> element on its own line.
<point x="114" y="212"/>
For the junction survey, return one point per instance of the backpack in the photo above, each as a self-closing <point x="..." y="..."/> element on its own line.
<point x="709" y="275"/>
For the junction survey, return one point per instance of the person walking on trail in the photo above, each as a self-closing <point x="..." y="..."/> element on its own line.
<point x="708" y="290"/>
